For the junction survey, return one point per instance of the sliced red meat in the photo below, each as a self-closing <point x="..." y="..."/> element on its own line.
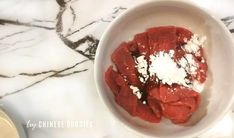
<point x="110" y="77"/>
<point x="146" y="113"/>
<point x="154" y="105"/>
<point x="176" y="113"/>
<point x="125" y="64"/>
<point x="142" y="43"/>
<point x="183" y="92"/>
<point x="119" y="80"/>
<point x="182" y="35"/>
<point x="173" y="93"/>
<point x="201" y="74"/>
<point x="175" y="102"/>
<point x="169" y="94"/>
<point x="151" y="83"/>
<point x="133" y="48"/>
<point x="162" y="39"/>
<point x="179" y="53"/>
<point x="127" y="100"/>
<point x="154" y="93"/>
<point x="191" y="103"/>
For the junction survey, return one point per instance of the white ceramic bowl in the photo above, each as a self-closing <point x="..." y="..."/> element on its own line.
<point x="13" y="120"/>
<point x="219" y="51"/>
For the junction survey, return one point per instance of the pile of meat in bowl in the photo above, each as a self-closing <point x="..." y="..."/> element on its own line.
<point x="160" y="73"/>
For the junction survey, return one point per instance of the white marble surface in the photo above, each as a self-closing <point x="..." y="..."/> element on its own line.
<point x="40" y="44"/>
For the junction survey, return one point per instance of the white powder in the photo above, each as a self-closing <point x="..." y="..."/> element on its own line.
<point x="136" y="91"/>
<point x="192" y="65"/>
<point x="194" y="44"/>
<point x="183" y="62"/>
<point x="167" y="70"/>
<point x="142" y="66"/>
<point x="164" y="67"/>
<point x="197" y="86"/>
<point x="202" y="61"/>
<point x="171" y="53"/>
<point x="188" y="63"/>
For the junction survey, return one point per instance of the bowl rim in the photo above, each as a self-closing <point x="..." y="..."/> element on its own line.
<point x="119" y="17"/>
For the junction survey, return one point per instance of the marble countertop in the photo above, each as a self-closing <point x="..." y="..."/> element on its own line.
<point x="47" y="50"/>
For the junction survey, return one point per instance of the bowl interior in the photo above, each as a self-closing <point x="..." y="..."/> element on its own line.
<point x="218" y="92"/>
